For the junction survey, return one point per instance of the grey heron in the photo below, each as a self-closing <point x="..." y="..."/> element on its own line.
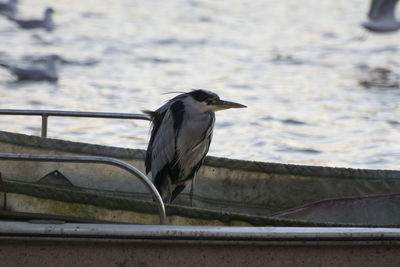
<point x="180" y="138"/>
<point x="46" y="22"/>
<point x="381" y="16"/>
<point x="47" y="73"/>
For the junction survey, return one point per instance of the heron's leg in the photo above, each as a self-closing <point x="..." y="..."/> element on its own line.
<point x="191" y="193"/>
<point x="168" y="199"/>
<point x="169" y="192"/>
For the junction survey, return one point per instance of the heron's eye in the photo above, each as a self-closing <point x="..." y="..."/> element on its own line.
<point x="212" y="101"/>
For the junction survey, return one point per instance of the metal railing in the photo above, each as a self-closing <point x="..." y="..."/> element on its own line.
<point x="45" y="114"/>
<point x="92" y="159"/>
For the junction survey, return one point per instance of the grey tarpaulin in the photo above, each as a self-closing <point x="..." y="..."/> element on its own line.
<point x="224" y="187"/>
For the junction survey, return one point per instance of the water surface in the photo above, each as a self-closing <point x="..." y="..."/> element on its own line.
<point x="306" y="70"/>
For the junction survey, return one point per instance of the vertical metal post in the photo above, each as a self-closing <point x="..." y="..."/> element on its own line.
<point x="44" y="125"/>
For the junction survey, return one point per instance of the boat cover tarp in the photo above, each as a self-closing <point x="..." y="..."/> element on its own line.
<point x="224" y="187"/>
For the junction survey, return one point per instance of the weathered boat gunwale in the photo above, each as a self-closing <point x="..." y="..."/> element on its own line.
<point x="219" y="170"/>
<point x="256" y="166"/>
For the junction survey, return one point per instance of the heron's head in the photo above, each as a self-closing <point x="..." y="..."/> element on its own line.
<point x="207" y="101"/>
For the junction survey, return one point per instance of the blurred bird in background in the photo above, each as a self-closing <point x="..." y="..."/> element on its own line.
<point x="45" y="23"/>
<point x="49" y="72"/>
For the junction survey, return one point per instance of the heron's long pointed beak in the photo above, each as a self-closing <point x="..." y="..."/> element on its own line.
<point x="223" y="104"/>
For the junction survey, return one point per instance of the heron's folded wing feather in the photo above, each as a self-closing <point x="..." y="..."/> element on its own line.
<point x="163" y="146"/>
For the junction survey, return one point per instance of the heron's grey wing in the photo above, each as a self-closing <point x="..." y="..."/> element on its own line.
<point x="156" y="119"/>
<point x="163" y="145"/>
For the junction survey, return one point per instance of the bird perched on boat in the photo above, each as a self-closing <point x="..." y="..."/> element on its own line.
<point x="45" y="23"/>
<point x="8" y="8"/>
<point x="180" y="138"/>
<point x="46" y="73"/>
<point x="381" y="16"/>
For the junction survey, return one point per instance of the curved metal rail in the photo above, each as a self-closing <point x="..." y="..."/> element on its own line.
<point x="63" y="113"/>
<point x="97" y="160"/>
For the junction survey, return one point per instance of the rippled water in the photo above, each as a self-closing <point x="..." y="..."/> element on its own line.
<point x="305" y="69"/>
